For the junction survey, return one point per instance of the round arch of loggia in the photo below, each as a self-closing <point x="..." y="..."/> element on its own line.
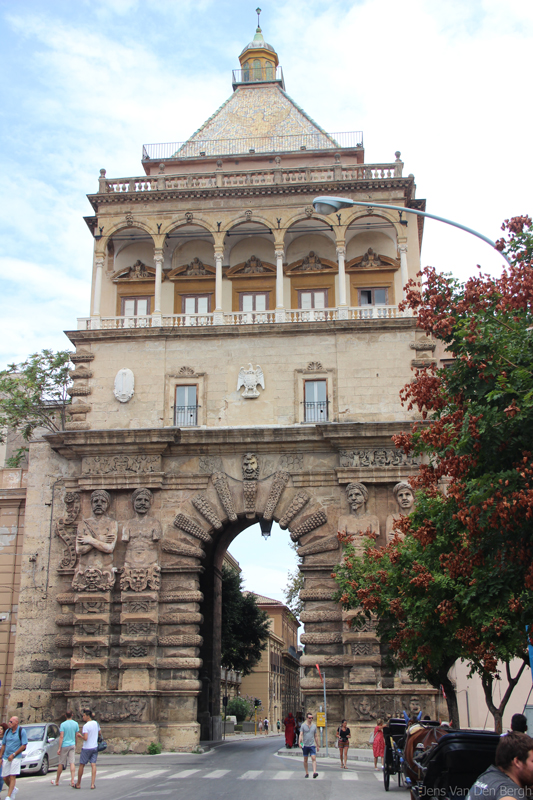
<point x="203" y="529"/>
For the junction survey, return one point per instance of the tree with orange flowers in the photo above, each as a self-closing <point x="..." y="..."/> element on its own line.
<point x="457" y="579"/>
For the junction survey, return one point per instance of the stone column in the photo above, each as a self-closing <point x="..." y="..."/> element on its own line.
<point x="343" y="311"/>
<point x="403" y="267"/>
<point x="156" y="314"/>
<point x="97" y="300"/>
<point x="280" y="304"/>
<point x="218" y="316"/>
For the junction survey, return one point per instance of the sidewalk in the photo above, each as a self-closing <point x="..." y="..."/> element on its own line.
<point x="355" y="754"/>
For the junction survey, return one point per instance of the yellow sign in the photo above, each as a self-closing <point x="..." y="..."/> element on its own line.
<point x="321" y="719"/>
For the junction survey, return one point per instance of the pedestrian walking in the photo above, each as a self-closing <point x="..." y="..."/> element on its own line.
<point x="265" y="725"/>
<point x="260" y="726"/>
<point x="278" y="726"/>
<point x="89" y="748"/>
<point x="290" y="725"/>
<point x="309" y="743"/>
<point x="67" y="748"/>
<point x="13" y="745"/>
<point x="3" y="726"/>
<point x="378" y="745"/>
<point x="343" y="742"/>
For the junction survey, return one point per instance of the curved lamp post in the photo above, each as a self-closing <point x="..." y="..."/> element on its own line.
<point x="329" y="205"/>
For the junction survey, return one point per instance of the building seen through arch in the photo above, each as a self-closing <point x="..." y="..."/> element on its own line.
<point x="240" y="362"/>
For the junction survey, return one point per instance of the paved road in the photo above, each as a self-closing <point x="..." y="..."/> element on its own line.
<point x="242" y="770"/>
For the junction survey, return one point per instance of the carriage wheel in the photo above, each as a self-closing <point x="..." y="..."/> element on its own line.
<point x="386" y="776"/>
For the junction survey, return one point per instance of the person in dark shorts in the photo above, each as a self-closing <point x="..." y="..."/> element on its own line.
<point x="511" y="773"/>
<point x="309" y="743"/>
<point x="89" y="748"/>
<point x="343" y="742"/>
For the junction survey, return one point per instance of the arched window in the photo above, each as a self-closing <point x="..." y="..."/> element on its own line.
<point x="246" y="71"/>
<point x="257" y="70"/>
<point x="269" y="70"/>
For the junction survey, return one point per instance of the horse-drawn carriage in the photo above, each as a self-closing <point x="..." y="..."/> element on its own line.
<point x="434" y="760"/>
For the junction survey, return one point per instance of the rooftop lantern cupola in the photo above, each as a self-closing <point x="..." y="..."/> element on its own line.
<point x="259" y="62"/>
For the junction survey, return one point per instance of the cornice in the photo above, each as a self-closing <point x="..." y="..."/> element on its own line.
<point x="80" y="338"/>
<point x="161" y="195"/>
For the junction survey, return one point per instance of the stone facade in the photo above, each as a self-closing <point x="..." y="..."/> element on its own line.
<point x="241" y="363"/>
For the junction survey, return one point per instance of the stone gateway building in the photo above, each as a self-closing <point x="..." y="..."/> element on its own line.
<point x="241" y="362"/>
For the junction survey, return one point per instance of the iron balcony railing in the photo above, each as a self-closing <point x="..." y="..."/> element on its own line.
<point x="199" y="148"/>
<point x="264" y="74"/>
<point x="316" y="412"/>
<point x="185" y="416"/>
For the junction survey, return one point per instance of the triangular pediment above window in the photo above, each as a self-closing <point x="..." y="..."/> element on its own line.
<point x="248" y="269"/>
<point x="312" y="262"/>
<point x="196" y="269"/>
<point x="136" y="272"/>
<point x="372" y="260"/>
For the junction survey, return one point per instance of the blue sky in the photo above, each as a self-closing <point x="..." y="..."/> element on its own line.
<point x="86" y="83"/>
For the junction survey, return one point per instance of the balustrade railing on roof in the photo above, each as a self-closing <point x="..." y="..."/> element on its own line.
<point x="244" y="318"/>
<point x="198" y="148"/>
<point x="264" y="177"/>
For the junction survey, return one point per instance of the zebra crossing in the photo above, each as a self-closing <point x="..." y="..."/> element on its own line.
<point x="172" y="774"/>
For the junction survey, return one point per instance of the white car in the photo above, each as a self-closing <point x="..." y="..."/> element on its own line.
<point x="41" y="751"/>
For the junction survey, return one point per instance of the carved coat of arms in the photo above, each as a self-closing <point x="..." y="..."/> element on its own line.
<point x="250" y="378"/>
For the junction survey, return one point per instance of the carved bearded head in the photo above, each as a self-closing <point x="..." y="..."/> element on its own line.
<point x="100" y="502"/>
<point x="357" y="495"/>
<point x="250" y="467"/>
<point x="142" y="499"/>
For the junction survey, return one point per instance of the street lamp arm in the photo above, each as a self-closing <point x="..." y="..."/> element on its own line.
<point x="336" y="203"/>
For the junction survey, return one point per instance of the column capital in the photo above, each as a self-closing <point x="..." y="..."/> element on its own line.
<point x="341" y="250"/>
<point x="99" y="262"/>
<point x="279" y="252"/>
<point x="158" y="255"/>
<point x="402" y="247"/>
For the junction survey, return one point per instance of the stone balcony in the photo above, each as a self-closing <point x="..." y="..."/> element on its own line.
<point x="269" y="176"/>
<point x="361" y="313"/>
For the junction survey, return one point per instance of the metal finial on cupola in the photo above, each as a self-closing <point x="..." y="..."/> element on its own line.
<point x="258" y="12"/>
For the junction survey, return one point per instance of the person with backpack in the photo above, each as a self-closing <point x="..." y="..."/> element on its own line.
<point x="13" y="745"/>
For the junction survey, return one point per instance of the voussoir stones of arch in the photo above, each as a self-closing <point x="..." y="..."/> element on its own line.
<point x="321" y="638"/>
<point x="181" y="618"/>
<point x="331" y="543"/>
<point x="66" y="598"/>
<point x="202" y="504"/>
<point x="309" y="524"/>
<point x="187" y="525"/>
<point x="65" y="620"/>
<point x="322" y="615"/>
<point x="66" y="640"/>
<point x="178" y="549"/>
<point x="181" y="597"/>
<point x="179" y="663"/>
<point x="298" y="502"/>
<point x="279" y="483"/>
<point x="184" y="639"/>
<point x="325" y="661"/>
<point x="316" y="683"/>
<point x="220" y="482"/>
<point x="317" y="594"/>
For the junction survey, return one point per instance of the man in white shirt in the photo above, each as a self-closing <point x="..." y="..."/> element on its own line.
<point x="89" y="748"/>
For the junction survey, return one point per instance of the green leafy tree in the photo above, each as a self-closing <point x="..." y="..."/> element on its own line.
<point x="245" y="627"/>
<point x="295" y="584"/>
<point x="239" y="707"/>
<point x="458" y="578"/>
<point x="34" y="395"/>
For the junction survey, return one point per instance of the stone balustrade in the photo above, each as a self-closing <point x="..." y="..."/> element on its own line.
<point x="267" y="177"/>
<point x="242" y="318"/>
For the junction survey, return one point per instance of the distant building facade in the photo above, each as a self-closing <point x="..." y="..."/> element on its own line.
<point x="276" y="679"/>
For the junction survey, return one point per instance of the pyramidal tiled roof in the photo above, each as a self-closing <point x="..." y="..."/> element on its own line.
<point x="261" y="117"/>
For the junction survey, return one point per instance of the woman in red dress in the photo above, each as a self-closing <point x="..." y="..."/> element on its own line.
<point x="378" y="745"/>
<point x="290" y="724"/>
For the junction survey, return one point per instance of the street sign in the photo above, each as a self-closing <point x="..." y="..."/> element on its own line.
<point x="321" y="719"/>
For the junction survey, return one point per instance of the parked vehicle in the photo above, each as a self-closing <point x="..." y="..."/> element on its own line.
<point x="41" y="751"/>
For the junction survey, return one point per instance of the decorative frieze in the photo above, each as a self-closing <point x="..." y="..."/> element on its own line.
<point x="181" y="597"/>
<point x="321" y="638"/>
<point x="322" y="615"/>
<point x="181" y="640"/>
<point x="376" y="457"/>
<point x="317" y="594"/>
<point x="121" y="464"/>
